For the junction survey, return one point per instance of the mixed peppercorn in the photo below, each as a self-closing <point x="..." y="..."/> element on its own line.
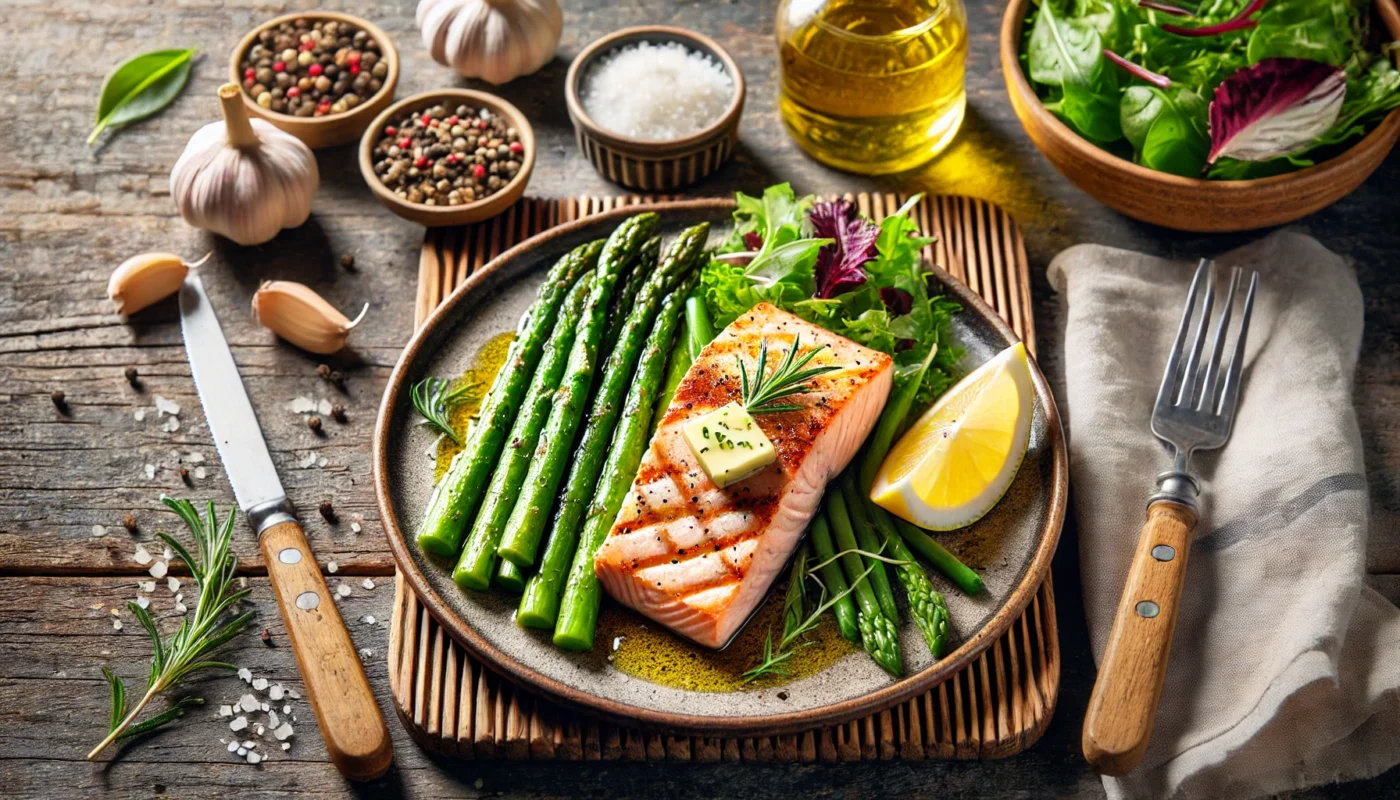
<point x="309" y="68"/>
<point x="447" y="157"/>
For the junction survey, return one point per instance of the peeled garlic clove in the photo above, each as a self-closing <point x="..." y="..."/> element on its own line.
<point x="299" y="315"/>
<point x="146" y="279"/>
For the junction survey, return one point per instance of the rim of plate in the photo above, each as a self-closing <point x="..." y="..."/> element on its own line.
<point x="511" y="668"/>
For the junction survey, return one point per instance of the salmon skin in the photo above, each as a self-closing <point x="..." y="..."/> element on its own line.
<point x="699" y="559"/>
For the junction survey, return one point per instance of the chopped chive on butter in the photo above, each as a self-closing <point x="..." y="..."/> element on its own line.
<point x="739" y="447"/>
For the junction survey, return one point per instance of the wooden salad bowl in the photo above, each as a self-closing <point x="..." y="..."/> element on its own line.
<point x="332" y="129"/>
<point x="1188" y="204"/>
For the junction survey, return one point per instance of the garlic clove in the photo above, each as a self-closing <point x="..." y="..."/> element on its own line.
<point x="495" y="40"/>
<point x="146" y="279"/>
<point x="296" y="313"/>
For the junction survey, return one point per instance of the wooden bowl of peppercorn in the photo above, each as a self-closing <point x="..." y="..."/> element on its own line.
<point x="454" y="161"/>
<point x="316" y="119"/>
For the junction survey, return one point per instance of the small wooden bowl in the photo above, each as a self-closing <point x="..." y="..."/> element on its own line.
<point x="332" y="129"/>
<point x="655" y="165"/>
<point x="438" y="216"/>
<point x="1187" y="204"/>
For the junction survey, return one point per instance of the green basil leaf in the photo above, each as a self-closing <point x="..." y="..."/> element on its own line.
<point x="140" y="87"/>
<point x="1167" y="128"/>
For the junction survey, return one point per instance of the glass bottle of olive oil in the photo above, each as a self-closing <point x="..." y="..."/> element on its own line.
<point x="872" y="86"/>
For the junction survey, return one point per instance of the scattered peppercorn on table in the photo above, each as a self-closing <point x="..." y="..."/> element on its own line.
<point x="99" y="419"/>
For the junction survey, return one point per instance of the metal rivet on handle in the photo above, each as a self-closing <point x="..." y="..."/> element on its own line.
<point x="306" y="601"/>
<point x="1164" y="552"/>
<point x="289" y="555"/>
<point x="1148" y="609"/>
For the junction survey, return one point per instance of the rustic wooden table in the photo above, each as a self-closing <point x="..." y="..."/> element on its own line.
<point x="68" y="215"/>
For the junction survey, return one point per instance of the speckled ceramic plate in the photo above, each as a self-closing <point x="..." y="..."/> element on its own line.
<point x="1013" y="544"/>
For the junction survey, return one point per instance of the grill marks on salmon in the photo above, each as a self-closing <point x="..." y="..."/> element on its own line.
<point x="699" y="559"/>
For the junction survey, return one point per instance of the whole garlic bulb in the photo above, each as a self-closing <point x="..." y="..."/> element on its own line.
<point x="243" y="178"/>
<point x="495" y="40"/>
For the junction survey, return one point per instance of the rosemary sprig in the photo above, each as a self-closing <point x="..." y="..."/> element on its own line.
<point x="175" y="658"/>
<point x="762" y="392"/>
<point x="434" y="398"/>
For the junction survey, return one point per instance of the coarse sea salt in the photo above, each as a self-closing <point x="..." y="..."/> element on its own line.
<point x="656" y="91"/>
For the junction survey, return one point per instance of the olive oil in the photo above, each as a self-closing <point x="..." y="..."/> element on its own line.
<point x="476" y="381"/>
<point x="872" y="86"/>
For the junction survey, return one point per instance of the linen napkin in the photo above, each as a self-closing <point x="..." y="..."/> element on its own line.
<point x="1285" y="667"/>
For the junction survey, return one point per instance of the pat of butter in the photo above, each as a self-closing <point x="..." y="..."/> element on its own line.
<point x="729" y="444"/>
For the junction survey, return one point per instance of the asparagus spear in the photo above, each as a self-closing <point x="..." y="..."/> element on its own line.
<point x="870" y="543"/>
<point x="521" y="543"/>
<point x="455" y="499"/>
<point x="836" y="585"/>
<point x="536" y="494"/>
<point x="627" y="295"/>
<point x="479" y="555"/>
<point x="926" y="604"/>
<point x="509" y="577"/>
<point x="891" y="418"/>
<point x="676" y="368"/>
<point x="699" y="327"/>
<point x="578" y="615"/>
<point x="877" y="632"/>
<point x="942" y="560"/>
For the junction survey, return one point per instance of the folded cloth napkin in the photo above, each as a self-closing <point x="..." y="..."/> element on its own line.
<point x="1285" y="668"/>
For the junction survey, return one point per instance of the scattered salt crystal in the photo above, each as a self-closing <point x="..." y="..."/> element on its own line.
<point x="331" y="567"/>
<point x="286" y="745"/>
<point x="150" y="471"/>
<point x="368" y="584"/>
<point x="254" y="758"/>
<point x="272" y="720"/>
<point x="168" y="554"/>
<point x="158" y="569"/>
<point x="309" y="460"/>
<point x="200" y="472"/>
<point x="164" y="407"/>
<point x="98" y="530"/>
<point x="357" y="517"/>
<point x="656" y="91"/>
<point x="275" y="693"/>
<point x="171" y="425"/>
<point x="343" y="590"/>
<point x="263" y="706"/>
<point x="321" y="462"/>
<point x="369" y="619"/>
<point x="283" y="731"/>
<point x="294" y="694"/>
<point x="233" y="747"/>
<point x="173" y="584"/>
<point x="239" y="723"/>
<point x="180" y="608"/>
<point x="250" y="744"/>
<point x="248" y="703"/>
<point x="225" y="711"/>
<point x="143" y="602"/>
<point x="287" y="709"/>
<point x="179" y="597"/>
<point x="116" y="624"/>
<point x="261" y="728"/>
<point x="366" y="653"/>
<point x="246" y="674"/>
<point x="242" y="751"/>
<point x="324" y="407"/>
<point x="260" y="684"/>
<point x="302" y="405"/>
<point x="139" y="414"/>
<point x="146" y="586"/>
<point x="355" y="527"/>
<point x="195" y="458"/>
<point x="141" y="556"/>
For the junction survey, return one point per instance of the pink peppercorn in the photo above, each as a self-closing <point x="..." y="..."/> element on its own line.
<point x="279" y="66"/>
<point x="517" y="147"/>
<point x="405" y="143"/>
<point x="422" y="162"/>
<point x="314" y="70"/>
<point x="293" y="91"/>
<point x="479" y="170"/>
<point x="390" y="130"/>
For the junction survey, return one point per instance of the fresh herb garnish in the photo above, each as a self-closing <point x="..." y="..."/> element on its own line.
<point x="762" y="392"/>
<point x="177" y="657"/>
<point x="140" y="87"/>
<point x="434" y="399"/>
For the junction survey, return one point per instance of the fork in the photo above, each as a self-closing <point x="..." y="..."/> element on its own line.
<point x="1195" y="410"/>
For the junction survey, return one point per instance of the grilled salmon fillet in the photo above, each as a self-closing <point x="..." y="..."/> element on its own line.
<point x="699" y="559"/>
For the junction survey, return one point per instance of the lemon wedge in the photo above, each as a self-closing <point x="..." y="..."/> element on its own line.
<point x="960" y="457"/>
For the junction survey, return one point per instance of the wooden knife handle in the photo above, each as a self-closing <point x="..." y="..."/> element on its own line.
<point x="1124" y="703"/>
<point x="351" y="724"/>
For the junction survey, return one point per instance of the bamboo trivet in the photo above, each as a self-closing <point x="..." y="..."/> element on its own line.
<point x="997" y="706"/>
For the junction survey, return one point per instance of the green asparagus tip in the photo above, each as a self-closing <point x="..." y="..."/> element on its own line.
<point x="435" y="545"/>
<point x="568" y="640"/>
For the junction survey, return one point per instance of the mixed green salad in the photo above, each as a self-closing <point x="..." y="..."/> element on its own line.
<point x="1227" y="89"/>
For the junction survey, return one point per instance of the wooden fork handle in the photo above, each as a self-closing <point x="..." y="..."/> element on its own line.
<point x="351" y="725"/>
<point x="1124" y="703"/>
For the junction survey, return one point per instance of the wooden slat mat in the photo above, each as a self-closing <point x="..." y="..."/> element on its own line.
<point x="997" y="706"/>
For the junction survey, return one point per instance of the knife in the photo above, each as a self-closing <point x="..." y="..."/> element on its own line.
<point x="351" y="724"/>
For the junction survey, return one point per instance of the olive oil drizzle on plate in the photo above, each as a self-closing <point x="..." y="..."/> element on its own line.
<point x="476" y="381"/>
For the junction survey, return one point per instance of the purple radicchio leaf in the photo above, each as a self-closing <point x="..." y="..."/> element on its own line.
<point x="1238" y="22"/>
<point x="1274" y="108"/>
<point x="753" y="240"/>
<point x="838" y="268"/>
<point x="898" y="301"/>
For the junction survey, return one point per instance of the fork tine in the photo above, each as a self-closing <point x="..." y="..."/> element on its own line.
<point x="1164" y="393"/>
<point x="1211" y="371"/>
<point x="1230" y="392"/>
<point x="1189" y="377"/>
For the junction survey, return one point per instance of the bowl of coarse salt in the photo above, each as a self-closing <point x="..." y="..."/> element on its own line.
<point x="655" y="107"/>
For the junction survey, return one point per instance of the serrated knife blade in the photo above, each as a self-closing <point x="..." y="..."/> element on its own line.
<point x="352" y="726"/>
<point x="232" y="422"/>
